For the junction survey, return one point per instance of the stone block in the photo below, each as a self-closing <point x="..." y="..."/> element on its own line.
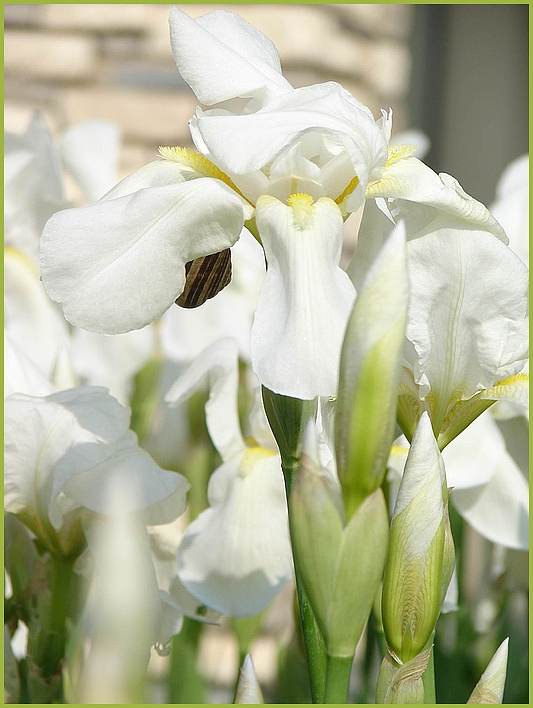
<point x="49" y="56"/>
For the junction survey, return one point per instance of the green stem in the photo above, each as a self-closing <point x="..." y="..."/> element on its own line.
<point x="338" y="673"/>
<point x="314" y="644"/>
<point x="185" y="682"/>
<point x="428" y="679"/>
<point x="50" y="649"/>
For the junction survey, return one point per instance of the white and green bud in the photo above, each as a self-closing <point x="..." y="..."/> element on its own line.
<point x="418" y="566"/>
<point x="248" y="689"/>
<point x="402" y="682"/>
<point x="490" y="686"/>
<point x="341" y="564"/>
<point x="369" y="374"/>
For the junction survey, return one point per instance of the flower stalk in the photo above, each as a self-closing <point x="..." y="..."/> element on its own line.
<point x="287" y="418"/>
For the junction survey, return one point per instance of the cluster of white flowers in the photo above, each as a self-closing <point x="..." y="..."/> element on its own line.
<point x="275" y="174"/>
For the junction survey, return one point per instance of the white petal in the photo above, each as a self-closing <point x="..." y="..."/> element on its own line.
<point x="221" y="57"/>
<point x="165" y="430"/>
<point x="158" y="173"/>
<point x="431" y="197"/>
<point x="33" y="184"/>
<point x="120" y="617"/>
<point x="40" y="431"/>
<point x="21" y="374"/>
<point x="305" y="301"/>
<point x="64" y="375"/>
<point x="111" y="360"/>
<point x="31" y="320"/>
<point x="259" y="428"/>
<point x="375" y="228"/>
<point x="512" y="205"/>
<point x="90" y="151"/>
<point x="76" y="443"/>
<point x="161" y="494"/>
<point x="170" y="622"/>
<point x="473" y="456"/>
<point x="236" y="555"/>
<point x="467" y="317"/>
<point x="245" y="143"/>
<point x="498" y="510"/>
<point x="511" y="394"/>
<point x="218" y="366"/>
<point x="120" y="263"/>
<point x="451" y="599"/>
<point x="414" y="138"/>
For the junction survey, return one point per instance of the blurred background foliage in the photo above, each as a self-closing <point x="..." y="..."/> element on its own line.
<point x="459" y="73"/>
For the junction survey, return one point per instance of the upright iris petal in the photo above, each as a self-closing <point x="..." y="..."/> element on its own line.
<point x="223" y="57"/>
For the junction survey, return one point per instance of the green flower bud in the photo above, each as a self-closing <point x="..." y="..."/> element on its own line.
<point x="341" y="565"/>
<point x="490" y="686"/>
<point x="415" y="573"/>
<point x="369" y="374"/>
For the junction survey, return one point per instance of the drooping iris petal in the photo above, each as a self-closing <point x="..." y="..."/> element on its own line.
<point x="119" y="264"/>
<point x="498" y="510"/>
<point x="222" y="57"/>
<point x="472" y="457"/>
<point x="33" y="323"/>
<point x="244" y="143"/>
<point x="63" y="450"/>
<point x="39" y="432"/>
<point x="434" y="201"/>
<point x="217" y="365"/>
<point x="90" y="151"/>
<point x="467" y="327"/>
<point x="160" y="493"/>
<point x="305" y="300"/>
<point x="236" y="555"/>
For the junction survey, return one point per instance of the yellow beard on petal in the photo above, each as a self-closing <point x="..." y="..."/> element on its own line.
<point x="396" y="153"/>
<point x="251" y="456"/>
<point x="302" y="208"/>
<point x="399" y="152"/>
<point x="199" y="163"/>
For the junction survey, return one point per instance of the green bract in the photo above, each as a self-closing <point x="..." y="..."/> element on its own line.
<point x="341" y="565"/>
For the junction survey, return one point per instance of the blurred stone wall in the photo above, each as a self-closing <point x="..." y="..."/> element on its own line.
<point x="113" y="62"/>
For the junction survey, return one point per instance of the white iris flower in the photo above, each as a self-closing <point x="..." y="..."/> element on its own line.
<point x="290" y="163"/>
<point x="236" y="555"/>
